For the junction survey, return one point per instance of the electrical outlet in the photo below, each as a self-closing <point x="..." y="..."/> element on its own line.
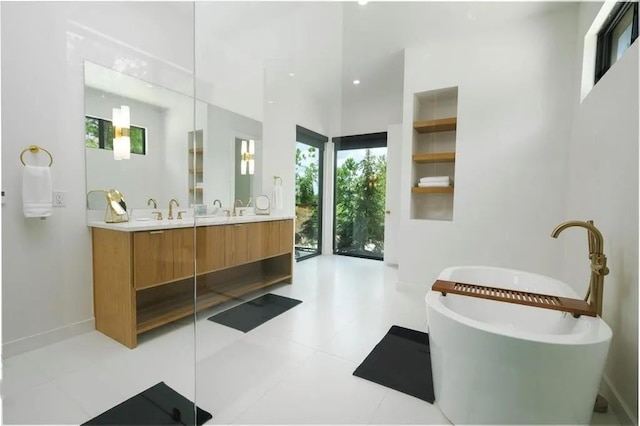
<point x="59" y="198"/>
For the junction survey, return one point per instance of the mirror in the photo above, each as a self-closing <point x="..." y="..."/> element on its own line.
<point x="169" y="159"/>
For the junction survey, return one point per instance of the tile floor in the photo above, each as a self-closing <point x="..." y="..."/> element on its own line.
<point x="294" y="369"/>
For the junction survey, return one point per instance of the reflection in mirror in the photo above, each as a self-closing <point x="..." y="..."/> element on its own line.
<point x="168" y="159"/>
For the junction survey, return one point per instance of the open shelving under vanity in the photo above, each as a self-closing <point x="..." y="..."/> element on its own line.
<point x="435" y="124"/>
<point x="143" y="279"/>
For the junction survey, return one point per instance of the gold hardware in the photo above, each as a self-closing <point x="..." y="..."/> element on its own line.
<point x="227" y="212"/>
<point x="152" y="201"/>
<point x="34" y="149"/>
<point x="276" y="178"/>
<point x="180" y="213"/>
<point x="598" y="261"/>
<point x="116" y="211"/>
<point x="217" y="201"/>
<point x="158" y="215"/>
<point x="238" y="201"/>
<point x="173" y="200"/>
<point x="156" y="232"/>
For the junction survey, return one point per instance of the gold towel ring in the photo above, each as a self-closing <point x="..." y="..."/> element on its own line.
<point x="35" y="149"/>
<point x="276" y="179"/>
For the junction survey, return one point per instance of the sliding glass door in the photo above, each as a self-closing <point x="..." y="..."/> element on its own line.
<point x="309" y="177"/>
<point x="360" y="184"/>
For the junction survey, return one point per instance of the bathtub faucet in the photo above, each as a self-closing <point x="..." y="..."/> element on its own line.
<point x="598" y="261"/>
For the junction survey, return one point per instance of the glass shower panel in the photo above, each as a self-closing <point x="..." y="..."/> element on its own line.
<point x="110" y="308"/>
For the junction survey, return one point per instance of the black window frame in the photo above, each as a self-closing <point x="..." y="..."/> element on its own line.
<point x="603" y="51"/>
<point x="318" y="141"/>
<point x="101" y="139"/>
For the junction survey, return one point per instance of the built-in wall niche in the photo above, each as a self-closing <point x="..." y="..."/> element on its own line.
<point x="434" y="153"/>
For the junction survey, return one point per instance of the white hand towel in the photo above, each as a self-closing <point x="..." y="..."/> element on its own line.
<point x="277" y="197"/>
<point x="435" y="179"/>
<point x="37" y="192"/>
<point x="434" y="184"/>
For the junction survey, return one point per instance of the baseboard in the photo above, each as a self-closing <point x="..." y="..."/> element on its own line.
<point x="36" y="341"/>
<point x="622" y="411"/>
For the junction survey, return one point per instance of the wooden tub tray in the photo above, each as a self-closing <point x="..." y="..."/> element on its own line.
<point x="576" y="307"/>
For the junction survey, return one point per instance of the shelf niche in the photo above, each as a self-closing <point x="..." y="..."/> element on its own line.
<point x="435" y="126"/>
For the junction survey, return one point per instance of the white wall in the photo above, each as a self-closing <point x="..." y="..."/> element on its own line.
<point x="46" y="264"/>
<point x="513" y="123"/>
<point x="603" y="186"/>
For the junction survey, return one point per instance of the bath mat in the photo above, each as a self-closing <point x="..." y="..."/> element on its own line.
<point x="401" y="361"/>
<point x="158" y="405"/>
<point x="255" y="312"/>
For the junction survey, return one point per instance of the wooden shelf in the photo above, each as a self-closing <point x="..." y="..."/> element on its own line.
<point x="180" y="306"/>
<point x="195" y="151"/>
<point x="435" y="157"/>
<point x="432" y="190"/>
<point x="438" y="125"/>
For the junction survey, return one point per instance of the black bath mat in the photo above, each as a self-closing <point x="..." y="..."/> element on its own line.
<point x="158" y="405"/>
<point x="401" y="361"/>
<point x="255" y="312"/>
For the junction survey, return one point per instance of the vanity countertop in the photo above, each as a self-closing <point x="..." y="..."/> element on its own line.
<point x="155" y="225"/>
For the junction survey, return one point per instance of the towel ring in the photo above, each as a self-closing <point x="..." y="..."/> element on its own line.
<point x="35" y="149"/>
<point x="275" y="180"/>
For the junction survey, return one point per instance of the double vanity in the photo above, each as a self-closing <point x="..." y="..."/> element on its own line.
<point x="144" y="272"/>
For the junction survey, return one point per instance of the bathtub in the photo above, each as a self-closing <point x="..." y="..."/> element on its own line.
<point x="502" y="363"/>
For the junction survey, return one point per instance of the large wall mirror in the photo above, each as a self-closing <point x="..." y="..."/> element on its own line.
<point x="191" y="151"/>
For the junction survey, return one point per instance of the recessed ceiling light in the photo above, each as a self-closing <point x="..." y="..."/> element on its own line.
<point x="270" y="102"/>
<point x="362" y="2"/>
<point x="356" y="81"/>
<point x="291" y="74"/>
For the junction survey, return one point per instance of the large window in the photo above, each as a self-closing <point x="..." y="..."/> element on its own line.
<point x="360" y="185"/>
<point x="618" y="33"/>
<point x="309" y="177"/>
<point x="99" y="133"/>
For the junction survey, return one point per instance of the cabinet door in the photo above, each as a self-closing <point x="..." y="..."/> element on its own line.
<point x="236" y="242"/>
<point x="286" y="236"/>
<point x="182" y="253"/>
<point x="152" y="258"/>
<point x="210" y="251"/>
<point x="273" y="238"/>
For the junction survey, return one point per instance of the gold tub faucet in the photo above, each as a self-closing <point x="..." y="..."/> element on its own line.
<point x="598" y="261"/>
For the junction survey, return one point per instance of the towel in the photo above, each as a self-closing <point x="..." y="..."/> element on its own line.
<point x="277" y="197"/>
<point x="37" y="192"/>
<point x="434" y="184"/>
<point x="435" y="179"/>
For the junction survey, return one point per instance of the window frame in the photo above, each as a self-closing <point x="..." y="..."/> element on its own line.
<point x="101" y="140"/>
<point x="603" y="50"/>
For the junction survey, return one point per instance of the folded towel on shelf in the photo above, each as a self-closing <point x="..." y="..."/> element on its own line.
<point x="435" y="179"/>
<point x="37" y="192"/>
<point x="434" y="184"/>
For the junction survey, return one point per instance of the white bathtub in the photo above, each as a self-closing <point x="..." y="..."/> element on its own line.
<point x="502" y="363"/>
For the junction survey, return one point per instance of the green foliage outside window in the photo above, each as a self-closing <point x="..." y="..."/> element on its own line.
<point x="99" y="133"/>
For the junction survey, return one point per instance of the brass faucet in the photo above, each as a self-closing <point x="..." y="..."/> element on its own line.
<point x="152" y="201"/>
<point x="173" y="200"/>
<point x="598" y="261"/>
<point x="238" y="201"/>
<point x="217" y="201"/>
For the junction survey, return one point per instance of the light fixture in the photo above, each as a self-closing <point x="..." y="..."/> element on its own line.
<point x="362" y="2"/>
<point x="356" y="81"/>
<point x="247" y="160"/>
<point x="121" y="141"/>
<point x="291" y="74"/>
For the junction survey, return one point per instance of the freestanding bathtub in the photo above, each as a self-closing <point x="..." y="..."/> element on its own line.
<point x="501" y="363"/>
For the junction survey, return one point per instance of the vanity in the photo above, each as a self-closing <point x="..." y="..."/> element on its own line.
<point x="144" y="273"/>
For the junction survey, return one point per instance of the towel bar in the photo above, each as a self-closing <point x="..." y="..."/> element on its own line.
<point x="35" y="149"/>
<point x="576" y="307"/>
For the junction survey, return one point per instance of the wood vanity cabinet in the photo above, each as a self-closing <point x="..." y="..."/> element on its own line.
<point x="146" y="279"/>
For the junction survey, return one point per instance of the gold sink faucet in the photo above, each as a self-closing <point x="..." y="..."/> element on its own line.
<point x="217" y="201"/>
<point x="152" y="201"/>
<point x="598" y="261"/>
<point x="173" y="200"/>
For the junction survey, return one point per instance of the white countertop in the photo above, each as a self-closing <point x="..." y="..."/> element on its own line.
<point x="145" y="224"/>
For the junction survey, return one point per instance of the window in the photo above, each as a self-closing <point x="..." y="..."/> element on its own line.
<point x="618" y="32"/>
<point x="99" y="134"/>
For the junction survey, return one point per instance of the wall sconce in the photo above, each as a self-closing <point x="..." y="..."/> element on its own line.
<point x="121" y="141"/>
<point x="247" y="157"/>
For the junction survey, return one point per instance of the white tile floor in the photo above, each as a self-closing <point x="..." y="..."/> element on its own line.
<point x="294" y="369"/>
